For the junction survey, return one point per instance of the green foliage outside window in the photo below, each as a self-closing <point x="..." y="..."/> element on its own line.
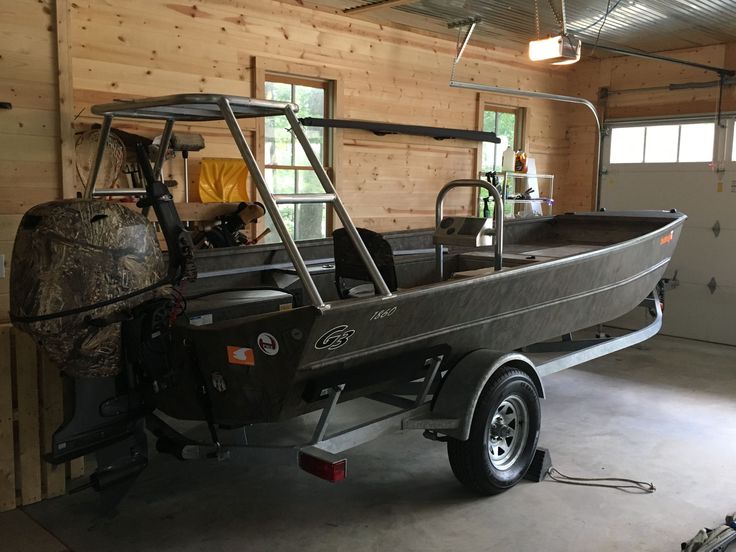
<point x="287" y="168"/>
<point x="503" y="123"/>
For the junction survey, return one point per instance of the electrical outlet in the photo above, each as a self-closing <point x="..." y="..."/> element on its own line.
<point x="2" y="266"/>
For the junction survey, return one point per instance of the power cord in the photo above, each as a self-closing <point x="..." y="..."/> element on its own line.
<point x="633" y="486"/>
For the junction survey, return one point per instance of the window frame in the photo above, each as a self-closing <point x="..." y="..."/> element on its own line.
<point x="488" y="102"/>
<point x="327" y="154"/>
<point x="718" y="141"/>
<point x="729" y="140"/>
<point x="520" y="114"/>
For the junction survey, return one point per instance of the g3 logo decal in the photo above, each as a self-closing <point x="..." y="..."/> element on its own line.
<point x="334" y="338"/>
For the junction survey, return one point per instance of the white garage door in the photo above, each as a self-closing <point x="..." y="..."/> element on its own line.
<point x="688" y="165"/>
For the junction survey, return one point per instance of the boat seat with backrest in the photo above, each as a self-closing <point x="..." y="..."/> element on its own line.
<point x="349" y="265"/>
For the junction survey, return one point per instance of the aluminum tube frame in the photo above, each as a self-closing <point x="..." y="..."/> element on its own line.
<point x="553" y="97"/>
<point x="162" y="147"/>
<point x="119" y="192"/>
<point x="497" y="220"/>
<point x="104" y="133"/>
<point x="271" y="207"/>
<point x="347" y="222"/>
<point x="186" y="177"/>
<point x="303" y="198"/>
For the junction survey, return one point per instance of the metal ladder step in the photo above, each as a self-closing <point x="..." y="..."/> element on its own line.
<point x="303" y="198"/>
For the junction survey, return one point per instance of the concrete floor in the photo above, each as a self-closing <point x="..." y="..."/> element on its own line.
<point x="661" y="412"/>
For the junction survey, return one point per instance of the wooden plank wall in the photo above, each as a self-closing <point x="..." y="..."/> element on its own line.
<point x="153" y="48"/>
<point x="29" y="163"/>
<point x="638" y="77"/>
<point x="31" y="409"/>
<point x="109" y="50"/>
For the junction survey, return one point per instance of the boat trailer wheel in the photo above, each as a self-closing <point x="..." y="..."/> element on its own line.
<point x="503" y="435"/>
<point x="507" y="432"/>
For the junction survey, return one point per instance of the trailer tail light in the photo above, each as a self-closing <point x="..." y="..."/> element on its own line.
<point x="324" y="466"/>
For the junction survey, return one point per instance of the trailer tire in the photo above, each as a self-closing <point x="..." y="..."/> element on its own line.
<point x="503" y="435"/>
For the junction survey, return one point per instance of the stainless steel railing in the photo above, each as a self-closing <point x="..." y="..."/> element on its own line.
<point x="497" y="232"/>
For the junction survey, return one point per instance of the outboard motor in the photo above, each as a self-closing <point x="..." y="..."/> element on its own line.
<point x="90" y="285"/>
<point x="82" y="271"/>
<point x="78" y="265"/>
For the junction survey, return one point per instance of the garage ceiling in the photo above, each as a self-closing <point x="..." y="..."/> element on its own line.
<point x="647" y="25"/>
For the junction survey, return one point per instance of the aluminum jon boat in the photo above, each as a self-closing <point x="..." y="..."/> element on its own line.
<point x="436" y="324"/>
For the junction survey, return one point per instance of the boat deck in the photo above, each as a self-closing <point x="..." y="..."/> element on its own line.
<point x="480" y="263"/>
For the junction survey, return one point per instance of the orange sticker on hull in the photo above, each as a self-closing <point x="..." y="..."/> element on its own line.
<point x="241" y="355"/>
<point x="664" y="240"/>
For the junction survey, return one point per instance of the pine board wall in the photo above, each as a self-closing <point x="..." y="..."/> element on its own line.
<point x="630" y="82"/>
<point x="29" y="132"/>
<point x="154" y="48"/>
<point x="109" y="49"/>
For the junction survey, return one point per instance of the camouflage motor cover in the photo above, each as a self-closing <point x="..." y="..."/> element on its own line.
<point x="75" y="253"/>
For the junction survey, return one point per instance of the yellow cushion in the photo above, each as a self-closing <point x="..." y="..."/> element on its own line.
<point x="223" y="180"/>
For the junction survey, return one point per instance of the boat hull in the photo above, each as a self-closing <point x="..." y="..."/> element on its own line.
<point x="371" y="343"/>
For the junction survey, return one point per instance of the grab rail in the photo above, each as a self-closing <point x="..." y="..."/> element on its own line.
<point x="497" y="220"/>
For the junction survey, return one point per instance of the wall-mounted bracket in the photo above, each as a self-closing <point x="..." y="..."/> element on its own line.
<point x="6" y="105"/>
<point x="471" y="22"/>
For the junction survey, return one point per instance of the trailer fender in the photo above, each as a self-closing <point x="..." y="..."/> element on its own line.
<point x="465" y="382"/>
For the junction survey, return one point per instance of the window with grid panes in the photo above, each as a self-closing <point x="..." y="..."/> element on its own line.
<point x="287" y="169"/>
<point x="507" y="123"/>
<point x="663" y="143"/>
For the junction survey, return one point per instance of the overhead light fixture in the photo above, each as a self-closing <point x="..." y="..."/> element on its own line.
<point x="557" y="50"/>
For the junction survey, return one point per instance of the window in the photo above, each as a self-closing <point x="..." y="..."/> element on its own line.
<point x="678" y="143"/>
<point x="661" y="144"/>
<point x="506" y="123"/>
<point x="627" y="145"/>
<point x="696" y="142"/>
<point x="287" y="169"/>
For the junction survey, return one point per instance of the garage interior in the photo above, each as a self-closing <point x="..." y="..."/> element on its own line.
<point x="660" y="77"/>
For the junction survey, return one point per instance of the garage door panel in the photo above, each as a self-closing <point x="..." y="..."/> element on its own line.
<point x="693" y="194"/>
<point x="691" y="311"/>
<point x="700" y="256"/>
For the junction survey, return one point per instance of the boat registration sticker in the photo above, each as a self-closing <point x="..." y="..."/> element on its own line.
<point x="241" y="355"/>
<point x="664" y="240"/>
<point x="334" y="338"/>
<point x="268" y="344"/>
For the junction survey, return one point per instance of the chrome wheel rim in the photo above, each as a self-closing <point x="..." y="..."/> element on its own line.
<point x="507" y="432"/>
